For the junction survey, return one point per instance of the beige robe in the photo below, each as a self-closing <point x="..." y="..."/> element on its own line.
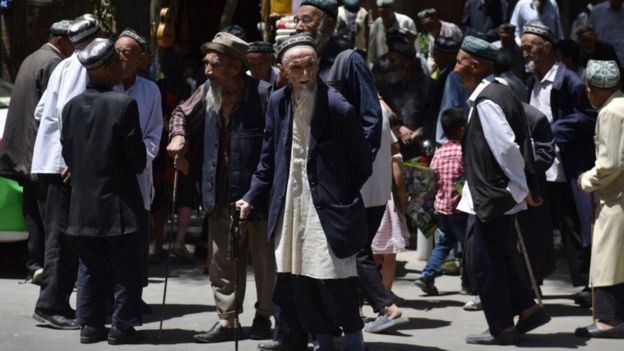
<point x="606" y="179"/>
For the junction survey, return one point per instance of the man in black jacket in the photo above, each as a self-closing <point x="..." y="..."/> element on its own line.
<point x="497" y="186"/>
<point x="103" y="148"/>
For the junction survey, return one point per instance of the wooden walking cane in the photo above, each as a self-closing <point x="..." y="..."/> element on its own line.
<point x="170" y="245"/>
<point x="525" y="254"/>
<point x="234" y="255"/>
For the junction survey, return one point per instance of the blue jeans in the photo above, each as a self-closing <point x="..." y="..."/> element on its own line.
<point x="451" y="230"/>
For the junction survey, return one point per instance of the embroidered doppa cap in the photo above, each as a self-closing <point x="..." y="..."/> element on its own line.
<point x="130" y="33"/>
<point x="61" y="28"/>
<point x="329" y="6"/>
<point x="507" y="28"/>
<point x="385" y="3"/>
<point x="97" y="53"/>
<point x="427" y="13"/>
<point x="261" y="47"/>
<point x="602" y="74"/>
<point x="480" y="48"/>
<point x="299" y="39"/>
<point x="227" y="44"/>
<point x="83" y="30"/>
<point x="446" y="45"/>
<point x="539" y="30"/>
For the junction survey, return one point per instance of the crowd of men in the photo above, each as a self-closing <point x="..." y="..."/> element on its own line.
<point x="294" y="146"/>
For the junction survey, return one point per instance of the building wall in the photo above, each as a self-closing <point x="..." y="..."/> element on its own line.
<point x="27" y="27"/>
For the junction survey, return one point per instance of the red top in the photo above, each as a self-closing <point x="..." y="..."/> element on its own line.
<point x="448" y="167"/>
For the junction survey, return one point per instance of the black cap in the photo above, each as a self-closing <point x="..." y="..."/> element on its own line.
<point x="299" y="39"/>
<point x="97" y="53"/>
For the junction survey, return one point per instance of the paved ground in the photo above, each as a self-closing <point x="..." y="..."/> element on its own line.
<point x="435" y="323"/>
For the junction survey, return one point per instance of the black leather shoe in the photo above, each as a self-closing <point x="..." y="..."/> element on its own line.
<point x="117" y="336"/>
<point x="274" y="345"/>
<point x="536" y="319"/>
<point x="90" y="335"/>
<point x="56" y="321"/>
<point x="260" y="328"/>
<point x="486" y="338"/>
<point x="217" y="333"/>
<point x="591" y="331"/>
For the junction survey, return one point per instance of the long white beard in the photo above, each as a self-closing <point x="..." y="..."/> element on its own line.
<point x="214" y="98"/>
<point x="303" y="103"/>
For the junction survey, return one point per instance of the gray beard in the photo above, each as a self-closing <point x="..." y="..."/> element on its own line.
<point x="529" y="67"/>
<point x="214" y="98"/>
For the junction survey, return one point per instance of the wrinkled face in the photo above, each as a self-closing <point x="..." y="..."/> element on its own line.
<point x="534" y="49"/>
<point x="308" y="19"/>
<point x="430" y="24"/>
<point x="131" y="55"/>
<point x="465" y="68"/>
<point x="301" y="67"/>
<point x="387" y="14"/>
<point x="260" y="64"/>
<point x="587" y="41"/>
<point x="219" y="68"/>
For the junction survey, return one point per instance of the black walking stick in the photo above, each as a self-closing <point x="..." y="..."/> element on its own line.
<point x="234" y="255"/>
<point x="527" y="261"/>
<point x="170" y="244"/>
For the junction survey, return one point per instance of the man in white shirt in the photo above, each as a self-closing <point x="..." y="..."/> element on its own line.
<point x="388" y="21"/>
<point x="608" y="21"/>
<point x="544" y="11"/>
<point x="496" y="188"/>
<point x="560" y="94"/>
<point x="131" y="47"/>
<point x="68" y="79"/>
<point x="436" y="27"/>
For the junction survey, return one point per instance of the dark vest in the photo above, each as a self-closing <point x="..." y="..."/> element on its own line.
<point x="487" y="181"/>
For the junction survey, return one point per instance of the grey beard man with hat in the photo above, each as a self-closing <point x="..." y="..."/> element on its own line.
<point x="103" y="146"/>
<point x="316" y="214"/>
<point x="495" y="146"/>
<point x="68" y="79"/>
<point x="229" y="109"/>
<point x="21" y="130"/>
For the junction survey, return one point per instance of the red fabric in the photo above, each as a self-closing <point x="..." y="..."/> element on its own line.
<point x="448" y="167"/>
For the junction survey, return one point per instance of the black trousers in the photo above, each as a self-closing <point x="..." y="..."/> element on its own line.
<point x="60" y="261"/>
<point x="502" y="291"/>
<point x="32" y="207"/>
<point x="371" y="285"/>
<point x="565" y="217"/>
<point x="114" y="259"/>
<point x="610" y="303"/>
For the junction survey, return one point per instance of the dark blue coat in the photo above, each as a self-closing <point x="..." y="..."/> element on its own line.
<point x="573" y="126"/>
<point x="247" y="120"/>
<point x="338" y="164"/>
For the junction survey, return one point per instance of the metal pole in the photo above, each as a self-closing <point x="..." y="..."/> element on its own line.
<point x="170" y="245"/>
<point x="528" y="263"/>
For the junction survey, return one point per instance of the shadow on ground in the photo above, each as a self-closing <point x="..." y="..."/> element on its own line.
<point x="430" y="304"/>
<point x="175" y="311"/>
<point x="563" y="310"/>
<point x="389" y="346"/>
<point x="556" y="340"/>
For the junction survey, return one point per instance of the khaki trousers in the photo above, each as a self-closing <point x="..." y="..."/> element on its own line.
<point x="253" y="240"/>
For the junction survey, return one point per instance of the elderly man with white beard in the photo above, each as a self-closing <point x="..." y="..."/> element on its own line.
<point x="314" y="161"/>
<point x="229" y="108"/>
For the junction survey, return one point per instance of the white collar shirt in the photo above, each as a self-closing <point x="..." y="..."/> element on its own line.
<point x="68" y="79"/>
<point x="147" y="96"/>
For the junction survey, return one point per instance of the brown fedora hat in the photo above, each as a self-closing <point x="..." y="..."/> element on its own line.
<point x="229" y="45"/>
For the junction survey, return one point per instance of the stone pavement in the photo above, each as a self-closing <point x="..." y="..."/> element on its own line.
<point x="435" y="323"/>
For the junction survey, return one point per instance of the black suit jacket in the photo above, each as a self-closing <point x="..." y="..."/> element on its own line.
<point x="103" y="148"/>
<point x="339" y="163"/>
